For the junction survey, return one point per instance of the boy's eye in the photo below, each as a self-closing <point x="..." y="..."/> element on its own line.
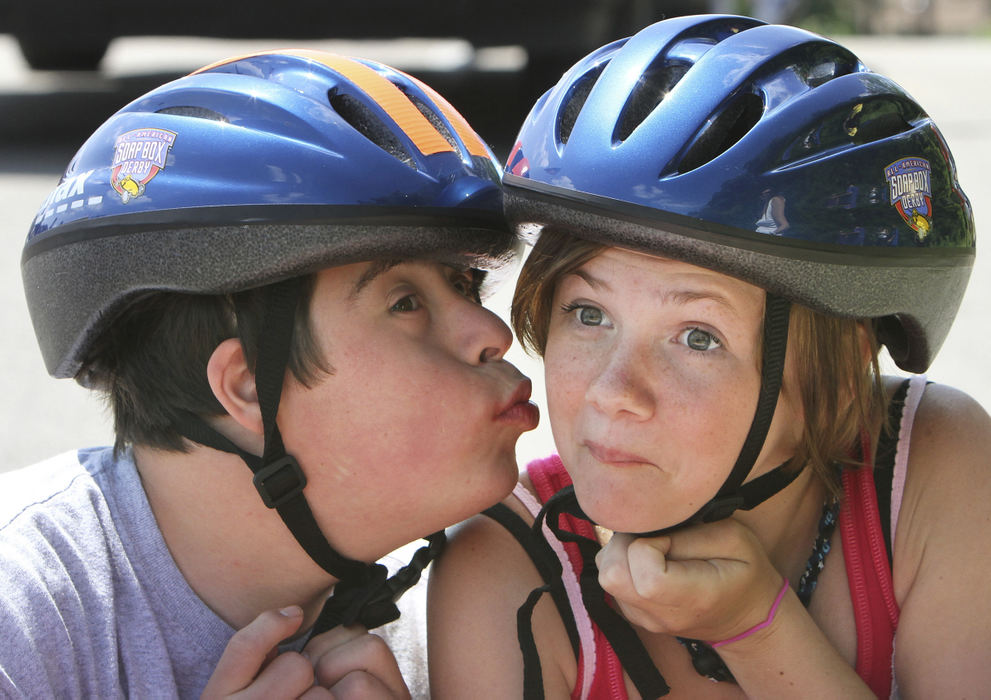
<point x="467" y="284"/>
<point x="463" y="284"/>
<point x="406" y="304"/>
<point x="699" y="340"/>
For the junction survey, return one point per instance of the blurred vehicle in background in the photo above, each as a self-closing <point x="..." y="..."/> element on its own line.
<point x="75" y="34"/>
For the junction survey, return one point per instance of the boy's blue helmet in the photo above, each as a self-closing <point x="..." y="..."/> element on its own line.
<point x="253" y="172"/>
<point x="675" y="140"/>
<point x="249" y="171"/>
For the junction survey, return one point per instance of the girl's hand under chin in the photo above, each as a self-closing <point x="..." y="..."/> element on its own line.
<point x="709" y="582"/>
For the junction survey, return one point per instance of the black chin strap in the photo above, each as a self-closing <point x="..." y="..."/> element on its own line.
<point x="734" y="495"/>
<point x="364" y="593"/>
<point x="621" y="636"/>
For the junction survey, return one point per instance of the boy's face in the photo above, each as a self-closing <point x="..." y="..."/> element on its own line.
<point x="416" y="426"/>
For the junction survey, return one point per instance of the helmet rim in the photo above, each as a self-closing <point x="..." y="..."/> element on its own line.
<point x="892" y="283"/>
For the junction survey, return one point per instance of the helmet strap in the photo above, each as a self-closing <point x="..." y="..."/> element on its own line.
<point x="734" y="495"/>
<point x="364" y="593"/>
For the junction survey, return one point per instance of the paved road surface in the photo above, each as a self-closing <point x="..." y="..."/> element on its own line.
<point x="44" y="117"/>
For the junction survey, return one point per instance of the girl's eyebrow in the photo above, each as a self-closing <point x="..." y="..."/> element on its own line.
<point x="676" y="296"/>
<point x="591" y="280"/>
<point x="687" y="296"/>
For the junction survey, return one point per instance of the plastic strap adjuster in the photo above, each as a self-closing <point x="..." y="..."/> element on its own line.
<point x="280" y="481"/>
<point x="720" y="507"/>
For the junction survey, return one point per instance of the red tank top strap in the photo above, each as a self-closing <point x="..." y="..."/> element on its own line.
<point x="869" y="577"/>
<point x="549" y="476"/>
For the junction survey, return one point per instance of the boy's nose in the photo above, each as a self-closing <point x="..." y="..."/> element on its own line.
<point x="483" y="336"/>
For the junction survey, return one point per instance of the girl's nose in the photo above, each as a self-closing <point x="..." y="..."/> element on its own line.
<point x="621" y="385"/>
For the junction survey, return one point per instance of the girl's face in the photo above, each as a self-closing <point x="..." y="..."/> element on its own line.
<point x="652" y="378"/>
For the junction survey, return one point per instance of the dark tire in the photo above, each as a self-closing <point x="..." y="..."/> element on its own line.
<point x="44" y="52"/>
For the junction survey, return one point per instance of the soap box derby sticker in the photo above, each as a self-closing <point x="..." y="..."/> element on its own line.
<point x="911" y="193"/>
<point x="138" y="156"/>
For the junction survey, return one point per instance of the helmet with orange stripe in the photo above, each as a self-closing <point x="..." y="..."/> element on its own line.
<point x="325" y="160"/>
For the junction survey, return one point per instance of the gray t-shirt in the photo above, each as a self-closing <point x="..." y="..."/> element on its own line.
<point x="92" y="603"/>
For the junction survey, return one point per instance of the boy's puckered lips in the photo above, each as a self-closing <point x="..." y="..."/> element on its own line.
<point x="519" y="408"/>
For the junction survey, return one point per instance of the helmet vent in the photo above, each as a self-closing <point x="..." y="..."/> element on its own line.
<point x="573" y="103"/>
<point x="822" y="73"/>
<point x="434" y="119"/>
<point x="817" y="63"/>
<point x="195" y="112"/>
<point x="656" y="82"/>
<point x="728" y="127"/>
<point x="368" y="124"/>
<point x="857" y="124"/>
<point x="878" y="119"/>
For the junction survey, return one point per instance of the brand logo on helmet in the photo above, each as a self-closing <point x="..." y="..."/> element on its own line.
<point x="138" y="156"/>
<point x="68" y="196"/>
<point x="911" y="193"/>
<point x="517" y="163"/>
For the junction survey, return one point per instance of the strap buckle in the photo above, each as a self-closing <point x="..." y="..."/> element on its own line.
<point x="720" y="508"/>
<point x="280" y="481"/>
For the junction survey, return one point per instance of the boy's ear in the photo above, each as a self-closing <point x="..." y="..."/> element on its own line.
<point x="233" y="384"/>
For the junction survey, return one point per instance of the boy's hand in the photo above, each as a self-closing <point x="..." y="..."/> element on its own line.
<point x="340" y="664"/>
<point x="353" y="662"/>
<point x="707" y="582"/>
<point x="251" y="666"/>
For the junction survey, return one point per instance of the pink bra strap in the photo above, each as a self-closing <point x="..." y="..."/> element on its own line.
<point x="916" y="387"/>
<point x="571" y="588"/>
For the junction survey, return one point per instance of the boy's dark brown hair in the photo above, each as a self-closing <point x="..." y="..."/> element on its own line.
<point x="835" y="366"/>
<point x="151" y="362"/>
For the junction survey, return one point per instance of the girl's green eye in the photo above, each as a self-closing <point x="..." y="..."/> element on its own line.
<point x="586" y="315"/>
<point x="700" y="340"/>
<point x="590" y="316"/>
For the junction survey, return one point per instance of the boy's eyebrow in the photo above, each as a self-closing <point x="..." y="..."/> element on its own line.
<point x="374" y="270"/>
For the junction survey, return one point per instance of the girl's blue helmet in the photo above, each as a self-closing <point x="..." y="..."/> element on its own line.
<point x="253" y="170"/>
<point x="675" y="141"/>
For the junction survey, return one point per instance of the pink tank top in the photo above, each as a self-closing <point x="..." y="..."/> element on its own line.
<point x="600" y="674"/>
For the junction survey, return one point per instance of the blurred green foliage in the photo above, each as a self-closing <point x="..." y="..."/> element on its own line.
<point x="831" y="17"/>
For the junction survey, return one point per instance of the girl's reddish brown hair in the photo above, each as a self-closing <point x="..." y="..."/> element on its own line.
<point x="833" y="369"/>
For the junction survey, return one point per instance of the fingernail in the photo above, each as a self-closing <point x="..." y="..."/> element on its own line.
<point x="291" y="611"/>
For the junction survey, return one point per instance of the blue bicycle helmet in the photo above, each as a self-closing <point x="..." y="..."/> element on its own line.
<point x="675" y="140"/>
<point x="252" y="172"/>
<point x="763" y="152"/>
<point x="672" y="142"/>
<point x="324" y="160"/>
